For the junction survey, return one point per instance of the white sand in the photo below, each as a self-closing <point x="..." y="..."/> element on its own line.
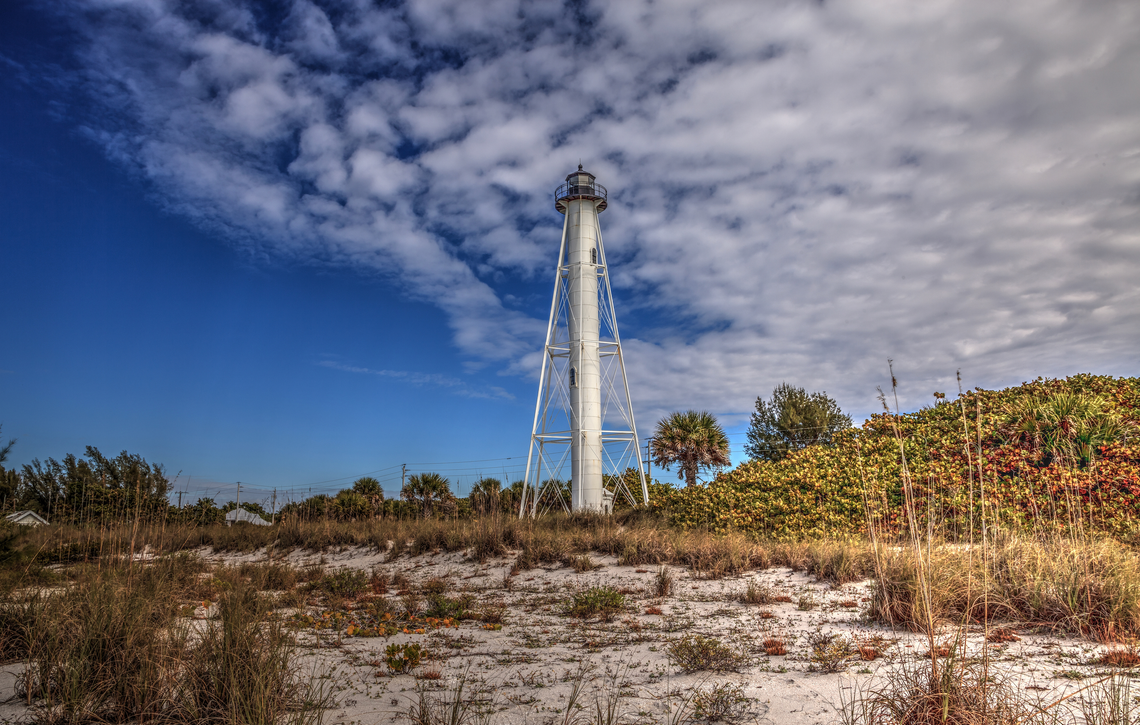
<point x="523" y="672"/>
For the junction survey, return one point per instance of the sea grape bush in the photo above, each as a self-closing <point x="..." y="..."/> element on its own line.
<point x="962" y="455"/>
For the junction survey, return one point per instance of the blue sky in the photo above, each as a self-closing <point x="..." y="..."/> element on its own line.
<point x="290" y="243"/>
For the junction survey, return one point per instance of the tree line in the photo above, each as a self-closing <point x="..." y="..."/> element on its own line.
<point x="99" y="489"/>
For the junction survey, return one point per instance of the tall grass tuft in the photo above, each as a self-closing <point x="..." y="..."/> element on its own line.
<point x="245" y="669"/>
<point x="112" y="648"/>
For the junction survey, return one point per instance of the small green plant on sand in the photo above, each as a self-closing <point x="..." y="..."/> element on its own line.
<point x="696" y="653"/>
<point x="602" y="602"/>
<point x="402" y="658"/>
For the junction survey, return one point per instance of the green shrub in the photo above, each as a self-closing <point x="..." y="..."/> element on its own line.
<point x="402" y="658"/>
<point x="443" y="606"/>
<point x="602" y="602"/>
<point x="696" y="653"/>
<point x="345" y="582"/>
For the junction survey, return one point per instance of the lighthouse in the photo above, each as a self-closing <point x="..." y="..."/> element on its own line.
<point x="583" y="449"/>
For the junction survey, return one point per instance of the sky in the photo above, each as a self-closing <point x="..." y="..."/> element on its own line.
<point x="291" y="243"/>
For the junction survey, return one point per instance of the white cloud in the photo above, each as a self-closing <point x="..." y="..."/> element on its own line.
<point x="799" y="191"/>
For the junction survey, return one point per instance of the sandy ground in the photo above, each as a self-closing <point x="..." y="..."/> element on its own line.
<point x="524" y="672"/>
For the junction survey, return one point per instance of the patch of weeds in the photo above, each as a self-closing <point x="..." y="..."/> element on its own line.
<point x="759" y="594"/>
<point x="696" y="653"/>
<point x="400" y="581"/>
<point x="720" y="702"/>
<point x="410" y="604"/>
<point x="435" y="585"/>
<point x="663" y="582"/>
<point x="806" y="602"/>
<point x="345" y="583"/>
<point x="829" y="652"/>
<point x="602" y="602"/>
<point x="583" y="564"/>
<point x="493" y="612"/>
<point x="652" y="610"/>
<point x="379" y="581"/>
<point x="774" y="646"/>
<point x="444" y="607"/>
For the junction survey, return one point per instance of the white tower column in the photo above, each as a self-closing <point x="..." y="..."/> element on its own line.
<point x="583" y="420"/>
<point x="585" y="375"/>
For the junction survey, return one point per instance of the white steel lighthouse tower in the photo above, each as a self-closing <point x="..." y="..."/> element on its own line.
<point x="584" y="430"/>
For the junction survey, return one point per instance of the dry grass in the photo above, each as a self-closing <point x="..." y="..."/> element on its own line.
<point x="947" y="692"/>
<point x="1082" y="587"/>
<point x="635" y="538"/>
<point x="113" y="647"/>
<point x="758" y="594"/>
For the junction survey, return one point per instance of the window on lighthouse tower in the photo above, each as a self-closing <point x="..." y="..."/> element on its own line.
<point x="573" y="378"/>
<point x="594" y="255"/>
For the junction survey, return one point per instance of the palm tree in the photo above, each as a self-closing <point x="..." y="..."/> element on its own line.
<point x="426" y="489"/>
<point x="485" y="495"/>
<point x="1066" y="426"/>
<point x="6" y="449"/>
<point x="370" y="489"/>
<point x="692" y="439"/>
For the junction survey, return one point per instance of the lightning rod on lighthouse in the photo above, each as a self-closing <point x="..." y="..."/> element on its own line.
<point x="584" y="431"/>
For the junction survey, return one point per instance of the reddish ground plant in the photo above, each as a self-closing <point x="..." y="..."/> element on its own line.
<point x="1002" y="634"/>
<point x="774" y="647"/>
<point x="653" y="610"/>
<point x="1120" y="657"/>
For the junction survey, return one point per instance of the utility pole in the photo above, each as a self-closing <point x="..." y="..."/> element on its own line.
<point x="180" y="500"/>
<point x="403" y="470"/>
<point x="239" y="494"/>
<point x="648" y="461"/>
<point x="273" y="516"/>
